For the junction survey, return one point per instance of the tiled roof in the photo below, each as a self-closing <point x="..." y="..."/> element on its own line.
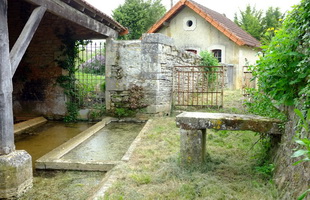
<point x="219" y="21"/>
<point x="96" y="14"/>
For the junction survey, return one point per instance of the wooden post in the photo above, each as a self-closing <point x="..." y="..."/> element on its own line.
<point x="25" y="37"/>
<point x="203" y="143"/>
<point x="6" y="109"/>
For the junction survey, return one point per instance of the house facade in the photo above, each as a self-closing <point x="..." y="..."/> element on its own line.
<point x="196" y="28"/>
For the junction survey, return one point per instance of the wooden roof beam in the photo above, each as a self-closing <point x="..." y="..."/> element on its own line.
<point x="67" y="12"/>
<point x="25" y="37"/>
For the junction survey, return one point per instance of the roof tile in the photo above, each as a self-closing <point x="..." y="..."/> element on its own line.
<point x="219" y="21"/>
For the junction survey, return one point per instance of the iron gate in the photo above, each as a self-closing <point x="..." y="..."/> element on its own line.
<point x="90" y="75"/>
<point x="198" y="86"/>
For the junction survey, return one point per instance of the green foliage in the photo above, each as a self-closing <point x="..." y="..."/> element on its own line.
<point x="266" y="170"/>
<point x="283" y="72"/>
<point x="250" y="21"/>
<point x="260" y="104"/>
<point x="303" y="142"/>
<point x="138" y="16"/>
<point x="72" y="109"/>
<point x="271" y="22"/>
<point x="207" y="59"/>
<point x="67" y="60"/>
<point x="304" y="194"/>
<point x="262" y="27"/>
<point x="97" y="112"/>
<point x="123" y="112"/>
<point x="304" y="148"/>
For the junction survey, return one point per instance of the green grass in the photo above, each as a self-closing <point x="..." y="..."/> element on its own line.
<point x="229" y="172"/>
<point x="56" y="185"/>
<point x="233" y="103"/>
<point x="89" y="80"/>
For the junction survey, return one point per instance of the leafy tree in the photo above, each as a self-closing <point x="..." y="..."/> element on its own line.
<point x="260" y="25"/>
<point x="250" y="21"/>
<point x="271" y="22"/>
<point x="138" y="16"/>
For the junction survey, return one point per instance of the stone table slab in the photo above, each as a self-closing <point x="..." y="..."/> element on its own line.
<point x="225" y="121"/>
<point x="193" y="126"/>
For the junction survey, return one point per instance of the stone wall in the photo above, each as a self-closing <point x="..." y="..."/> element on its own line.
<point x="291" y="180"/>
<point x="147" y="63"/>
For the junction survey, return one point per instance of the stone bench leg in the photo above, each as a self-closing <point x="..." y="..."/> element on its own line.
<point x="193" y="146"/>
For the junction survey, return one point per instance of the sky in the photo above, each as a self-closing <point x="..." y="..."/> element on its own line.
<point x="227" y="7"/>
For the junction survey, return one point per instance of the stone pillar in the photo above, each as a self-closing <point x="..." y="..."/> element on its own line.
<point x="15" y="174"/>
<point x="192" y="146"/>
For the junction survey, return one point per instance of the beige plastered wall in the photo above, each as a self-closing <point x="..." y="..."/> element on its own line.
<point x="203" y="36"/>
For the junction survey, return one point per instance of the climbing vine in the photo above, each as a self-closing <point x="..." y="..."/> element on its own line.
<point x="67" y="60"/>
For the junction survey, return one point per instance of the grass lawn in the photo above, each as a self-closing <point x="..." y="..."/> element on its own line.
<point x="231" y="170"/>
<point x="88" y="80"/>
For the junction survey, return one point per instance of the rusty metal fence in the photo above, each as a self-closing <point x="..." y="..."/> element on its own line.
<point x="90" y="75"/>
<point x="198" y="86"/>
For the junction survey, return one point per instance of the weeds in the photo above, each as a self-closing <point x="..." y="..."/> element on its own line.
<point x="229" y="172"/>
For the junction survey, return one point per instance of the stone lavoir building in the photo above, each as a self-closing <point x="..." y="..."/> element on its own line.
<point x="29" y="46"/>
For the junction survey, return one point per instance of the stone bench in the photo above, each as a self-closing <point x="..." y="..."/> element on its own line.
<point x="193" y="127"/>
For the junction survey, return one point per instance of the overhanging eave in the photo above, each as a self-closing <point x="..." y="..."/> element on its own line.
<point x="69" y="13"/>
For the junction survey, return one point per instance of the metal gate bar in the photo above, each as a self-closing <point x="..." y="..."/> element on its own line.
<point x="90" y="75"/>
<point x="199" y="86"/>
<point x="247" y="81"/>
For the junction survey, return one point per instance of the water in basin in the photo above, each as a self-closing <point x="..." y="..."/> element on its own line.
<point x="109" y="143"/>
<point x="47" y="137"/>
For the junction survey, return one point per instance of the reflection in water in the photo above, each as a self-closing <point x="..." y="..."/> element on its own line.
<point x="110" y="143"/>
<point x="47" y="137"/>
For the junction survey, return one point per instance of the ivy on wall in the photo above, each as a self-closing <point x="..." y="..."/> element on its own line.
<point x="67" y="60"/>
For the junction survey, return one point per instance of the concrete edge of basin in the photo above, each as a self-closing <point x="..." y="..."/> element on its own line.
<point x="112" y="175"/>
<point x="134" y="144"/>
<point x="53" y="159"/>
<point x="80" y="166"/>
<point x="21" y="127"/>
<point x="63" y="149"/>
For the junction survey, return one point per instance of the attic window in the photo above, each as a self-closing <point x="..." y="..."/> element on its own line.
<point x="189" y="23"/>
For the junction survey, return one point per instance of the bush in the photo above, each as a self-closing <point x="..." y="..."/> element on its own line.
<point x="207" y="59"/>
